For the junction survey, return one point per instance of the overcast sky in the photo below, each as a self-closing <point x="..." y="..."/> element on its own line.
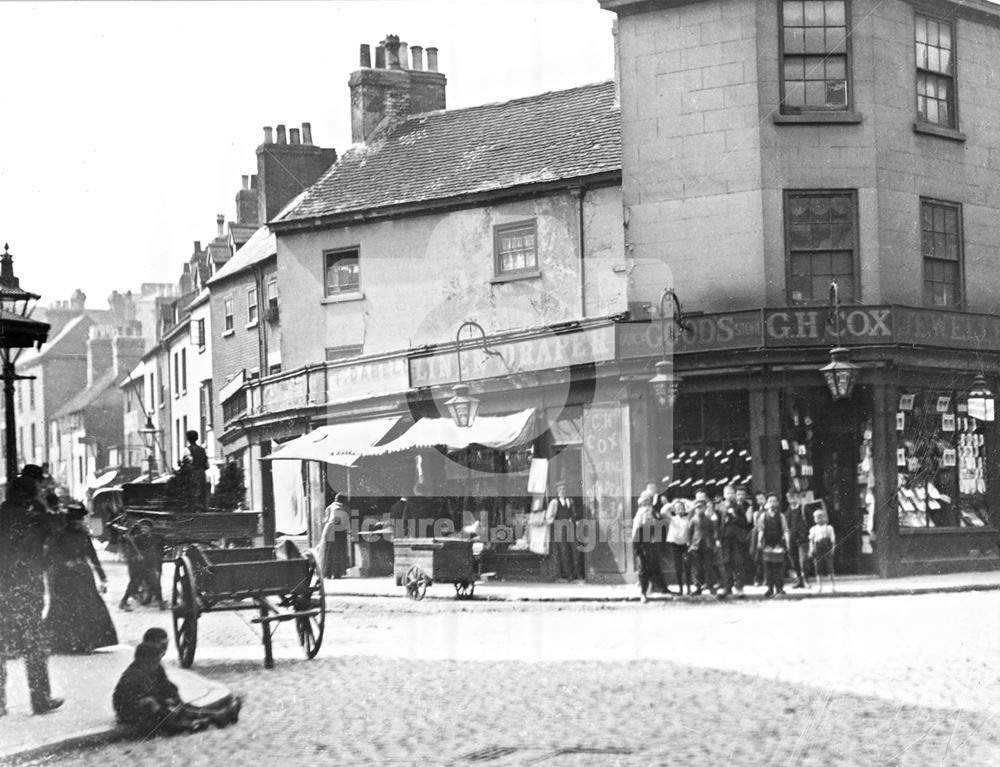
<point x="126" y="127"/>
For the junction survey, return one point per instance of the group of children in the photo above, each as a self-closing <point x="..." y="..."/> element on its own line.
<point x="147" y="700"/>
<point x="726" y="541"/>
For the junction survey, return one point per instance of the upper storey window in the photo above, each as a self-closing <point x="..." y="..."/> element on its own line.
<point x="935" y="49"/>
<point x="821" y="244"/>
<point x="343" y="272"/>
<point x="815" y="67"/>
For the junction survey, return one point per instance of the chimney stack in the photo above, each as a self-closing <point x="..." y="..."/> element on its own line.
<point x="307" y="134"/>
<point x="281" y="134"/>
<point x="391" y="44"/>
<point x="366" y="56"/>
<point x="197" y="246"/>
<point x="284" y="169"/>
<point x="246" y="182"/>
<point x="78" y="300"/>
<point x="293" y="135"/>
<point x="220" y="222"/>
<point x="246" y="202"/>
<point x="267" y="135"/>
<point x="394" y="89"/>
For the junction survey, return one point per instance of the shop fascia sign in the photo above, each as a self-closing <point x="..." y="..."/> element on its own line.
<point x="546" y="351"/>
<point x="807" y="326"/>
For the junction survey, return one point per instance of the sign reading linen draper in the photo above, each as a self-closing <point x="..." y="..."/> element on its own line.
<point x="524" y="355"/>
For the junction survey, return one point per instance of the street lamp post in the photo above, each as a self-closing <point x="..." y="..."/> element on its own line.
<point x="17" y="331"/>
<point x="463" y="407"/>
<point x="841" y="374"/>
<point x="148" y="434"/>
<point x="665" y="384"/>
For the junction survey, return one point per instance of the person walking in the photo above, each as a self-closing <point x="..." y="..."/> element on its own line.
<point x="333" y="549"/>
<point x="646" y="534"/>
<point x="734" y="531"/>
<point x="773" y="542"/>
<point x="78" y="620"/>
<point x="561" y="516"/>
<point x="678" y="544"/>
<point x="799" y="524"/>
<point x="24" y="533"/>
<point x="701" y="546"/>
<point x="822" y="542"/>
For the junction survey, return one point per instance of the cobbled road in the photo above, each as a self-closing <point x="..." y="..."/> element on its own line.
<point x="909" y="680"/>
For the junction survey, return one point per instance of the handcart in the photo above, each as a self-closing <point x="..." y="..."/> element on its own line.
<point x="419" y="562"/>
<point x="280" y="583"/>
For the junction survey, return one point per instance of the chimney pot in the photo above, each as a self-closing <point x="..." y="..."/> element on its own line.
<point x="267" y="135"/>
<point x="391" y="44"/>
<point x="432" y="59"/>
<point x="366" y="56"/>
<point x="246" y="182"/>
<point x="197" y="246"/>
<point x="417" y="54"/>
<point x="379" y="57"/>
<point x="307" y="134"/>
<point x="293" y="135"/>
<point x="220" y="222"/>
<point x="281" y="134"/>
<point x="404" y="56"/>
<point x="253" y="181"/>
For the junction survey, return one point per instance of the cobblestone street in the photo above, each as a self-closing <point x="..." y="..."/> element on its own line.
<point x="878" y="681"/>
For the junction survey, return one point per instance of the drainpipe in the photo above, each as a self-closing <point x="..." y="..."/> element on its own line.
<point x="580" y="193"/>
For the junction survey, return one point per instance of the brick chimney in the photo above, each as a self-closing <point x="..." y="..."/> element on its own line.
<point x="392" y="90"/>
<point x="78" y="301"/>
<point x="246" y="203"/>
<point x="126" y="351"/>
<point x="99" y="353"/>
<point x="284" y="169"/>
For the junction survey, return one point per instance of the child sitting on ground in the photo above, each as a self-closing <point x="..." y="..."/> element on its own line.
<point x="822" y="541"/>
<point x="146" y="699"/>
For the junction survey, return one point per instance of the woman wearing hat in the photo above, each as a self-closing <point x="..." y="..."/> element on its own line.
<point x="78" y="620"/>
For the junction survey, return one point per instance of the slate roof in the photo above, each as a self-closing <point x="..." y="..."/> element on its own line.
<point x="262" y="244"/>
<point x="553" y="136"/>
<point x="88" y="396"/>
<point x="242" y="232"/>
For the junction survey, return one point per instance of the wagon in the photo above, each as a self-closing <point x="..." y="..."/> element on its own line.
<point x="178" y="527"/>
<point x="418" y="562"/>
<point x="280" y="583"/>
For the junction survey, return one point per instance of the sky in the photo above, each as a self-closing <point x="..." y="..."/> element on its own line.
<point x="126" y="126"/>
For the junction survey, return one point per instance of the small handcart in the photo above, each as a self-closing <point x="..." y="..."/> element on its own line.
<point x="280" y="583"/>
<point x="419" y="562"/>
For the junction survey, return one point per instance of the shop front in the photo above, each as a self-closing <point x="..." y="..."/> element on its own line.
<point x="906" y="467"/>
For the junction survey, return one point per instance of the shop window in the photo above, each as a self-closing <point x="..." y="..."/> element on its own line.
<point x="941" y="461"/>
<point x="941" y="247"/>
<point x="935" y="46"/>
<point x="815" y="65"/>
<point x="820" y="245"/>
<point x="343" y="272"/>
<point x="711" y="443"/>
<point x="516" y="249"/>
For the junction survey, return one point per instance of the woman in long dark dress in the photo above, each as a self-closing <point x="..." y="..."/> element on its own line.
<point x="78" y="620"/>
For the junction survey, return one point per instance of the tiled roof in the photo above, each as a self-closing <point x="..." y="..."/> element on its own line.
<point x="88" y="396"/>
<point x="261" y="245"/>
<point x="242" y="232"/>
<point x="438" y="155"/>
<point x="54" y="345"/>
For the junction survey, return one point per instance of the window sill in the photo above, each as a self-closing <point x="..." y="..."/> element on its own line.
<point x="251" y="325"/>
<point x="818" y="118"/>
<point x="227" y="333"/>
<point x="515" y="276"/>
<point x="930" y="129"/>
<point x="340" y="298"/>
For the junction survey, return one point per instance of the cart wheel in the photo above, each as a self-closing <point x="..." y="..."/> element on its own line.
<point x="464" y="589"/>
<point x="311" y="628"/>
<point x="416" y="583"/>
<point x="184" y="606"/>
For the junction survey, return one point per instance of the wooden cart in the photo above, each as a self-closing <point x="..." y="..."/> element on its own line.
<point x="280" y="583"/>
<point x="418" y="562"/>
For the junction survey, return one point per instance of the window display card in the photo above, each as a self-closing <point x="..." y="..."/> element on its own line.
<point x="962" y="407"/>
<point x="901" y="456"/>
<point x="932" y="490"/>
<point x="943" y="403"/>
<point x="948" y="459"/>
<point x="913" y="463"/>
<point x="900" y="421"/>
<point x="947" y="422"/>
<point x="807" y="470"/>
<point x="784" y="444"/>
<point x="906" y="401"/>
<point x="801" y="450"/>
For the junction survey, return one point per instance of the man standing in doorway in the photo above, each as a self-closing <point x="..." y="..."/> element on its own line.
<point x="199" y="463"/>
<point x="799" y="522"/>
<point x="561" y="515"/>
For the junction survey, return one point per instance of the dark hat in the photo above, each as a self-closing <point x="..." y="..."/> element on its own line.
<point x="32" y="471"/>
<point x="76" y="509"/>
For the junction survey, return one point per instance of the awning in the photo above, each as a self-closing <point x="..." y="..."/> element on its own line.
<point x="341" y="443"/>
<point x="498" y="432"/>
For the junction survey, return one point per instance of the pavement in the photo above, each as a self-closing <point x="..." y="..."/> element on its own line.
<point x="86" y="682"/>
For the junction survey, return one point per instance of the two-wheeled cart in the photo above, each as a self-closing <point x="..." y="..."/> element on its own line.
<point x="419" y="562"/>
<point x="280" y="583"/>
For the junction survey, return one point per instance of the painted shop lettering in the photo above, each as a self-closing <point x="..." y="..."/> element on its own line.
<point x="810" y="324"/>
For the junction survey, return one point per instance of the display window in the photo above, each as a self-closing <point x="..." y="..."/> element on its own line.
<point x="941" y="461"/>
<point x="711" y="445"/>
